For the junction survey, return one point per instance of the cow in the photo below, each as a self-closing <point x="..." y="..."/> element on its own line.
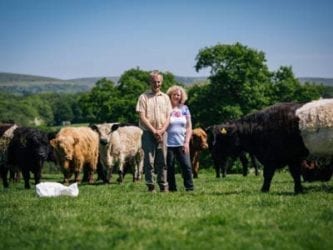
<point x="221" y="169"/>
<point x="279" y="135"/>
<point x="198" y="143"/>
<point x="75" y="149"/>
<point x="6" y="134"/>
<point x="120" y="144"/>
<point x="27" y="151"/>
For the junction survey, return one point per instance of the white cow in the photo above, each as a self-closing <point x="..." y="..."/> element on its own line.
<point x="120" y="145"/>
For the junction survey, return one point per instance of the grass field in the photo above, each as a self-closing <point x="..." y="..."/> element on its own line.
<point x="226" y="213"/>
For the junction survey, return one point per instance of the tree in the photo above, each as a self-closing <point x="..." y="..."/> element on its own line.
<point x="239" y="82"/>
<point x="287" y="88"/>
<point x="97" y="105"/>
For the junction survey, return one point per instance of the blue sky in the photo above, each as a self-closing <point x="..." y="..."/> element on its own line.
<point x="82" y="38"/>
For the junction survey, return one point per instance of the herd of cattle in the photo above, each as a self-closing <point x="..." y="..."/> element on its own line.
<point x="296" y="135"/>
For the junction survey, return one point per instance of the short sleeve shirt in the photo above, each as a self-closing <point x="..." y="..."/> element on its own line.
<point x="157" y="108"/>
<point x="177" y="127"/>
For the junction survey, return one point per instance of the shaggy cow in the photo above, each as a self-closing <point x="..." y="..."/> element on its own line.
<point x="76" y="148"/>
<point x="6" y="134"/>
<point x="280" y="135"/>
<point x="120" y="145"/>
<point x="27" y="151"/>
<point x="198" y="143"/>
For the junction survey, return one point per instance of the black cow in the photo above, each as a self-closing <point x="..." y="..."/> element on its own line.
<point x="27" y="151"/>
<point x="278" y="136"/>
<point x="221" y="168"/>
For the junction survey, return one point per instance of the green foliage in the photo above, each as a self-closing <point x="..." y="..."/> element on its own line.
<point x="239" y="84"/>
<point x="107" y="102"/>
<point x="231" y="214"/>
<point x="97" y="104"/>
<point x="239" y="81"/>
<point x="287" y="88"/>
<point x="327" y="92"/>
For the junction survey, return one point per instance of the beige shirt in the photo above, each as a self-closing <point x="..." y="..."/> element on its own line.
<point x="156" y="108"/>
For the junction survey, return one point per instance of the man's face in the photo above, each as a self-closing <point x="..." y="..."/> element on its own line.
<point x="156" y="83"/>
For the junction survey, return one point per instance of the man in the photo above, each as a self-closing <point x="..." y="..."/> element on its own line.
<point x="154" y="110"/>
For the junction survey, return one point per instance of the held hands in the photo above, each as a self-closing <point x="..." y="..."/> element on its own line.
<point x="158" y="134"/>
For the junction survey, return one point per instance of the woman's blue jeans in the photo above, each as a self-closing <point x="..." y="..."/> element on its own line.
<point x="177" y="153"/>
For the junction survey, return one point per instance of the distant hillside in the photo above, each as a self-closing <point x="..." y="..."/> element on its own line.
<point x="30" y="84"/>
<point x="10" y="77"/>
<point x="317" y="80"/>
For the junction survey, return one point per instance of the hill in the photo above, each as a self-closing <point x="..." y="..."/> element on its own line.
<point x="317" y="80"/>
<point x="29" y="84"/>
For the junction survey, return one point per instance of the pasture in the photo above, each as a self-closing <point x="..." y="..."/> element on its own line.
<point x="226" y="213"/>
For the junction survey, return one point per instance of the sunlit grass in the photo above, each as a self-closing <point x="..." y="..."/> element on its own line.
<point x="226" y="213"/>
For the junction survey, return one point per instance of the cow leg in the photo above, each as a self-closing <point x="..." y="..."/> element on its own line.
<point x="121" y="172"/>
<point x="195" y="165"/>
<point x="37" y="176"/>
<point x="244" y="162"/>
<point x="4" y="172"/>
<point x="139" y="163"/>
<point x="26" y="177"/>
<point x="102" y="172"/>
<point x="223" y="168"/>
<point x="67" y="176"/>
<point x="85" y="177"/>
<point x="218" y="168"/>
<point x="109" y="174"/>
<point x="295" y="171"/>
<point x="268" y="176"/>
<point x="76" y="176"/>
<point x="254" y="164"/>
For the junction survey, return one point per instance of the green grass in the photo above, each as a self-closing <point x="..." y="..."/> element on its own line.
<point x="226" y="213"/>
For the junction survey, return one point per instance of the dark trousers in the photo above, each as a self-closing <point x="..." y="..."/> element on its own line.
<point x="154" y="160"/>
<point x="173" y="154"/>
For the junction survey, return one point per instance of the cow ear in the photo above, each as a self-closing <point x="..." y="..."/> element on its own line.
<point x="53" y="143"/>
<point x="223" y="131"/>
<point x="115" y="127"/>
<point x="93" y="127"/>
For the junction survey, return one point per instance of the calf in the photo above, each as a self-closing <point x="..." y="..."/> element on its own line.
<point x="221" y="169"/>
<point x="198" y="143"/>
<point x="280" y="135"/>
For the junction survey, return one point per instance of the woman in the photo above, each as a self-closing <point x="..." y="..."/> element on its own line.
<point x="179" y="134"/>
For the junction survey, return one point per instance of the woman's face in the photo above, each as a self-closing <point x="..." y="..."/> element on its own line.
<point x="176" y="97"/>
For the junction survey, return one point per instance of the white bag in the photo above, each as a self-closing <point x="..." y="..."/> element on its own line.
<point x="53" y="189"/>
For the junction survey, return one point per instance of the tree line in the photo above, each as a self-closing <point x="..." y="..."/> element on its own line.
<point x="239" y="83"/>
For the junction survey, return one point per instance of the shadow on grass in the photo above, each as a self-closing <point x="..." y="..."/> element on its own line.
<point x="324" y="187"/>
<point x="311" y="189"/>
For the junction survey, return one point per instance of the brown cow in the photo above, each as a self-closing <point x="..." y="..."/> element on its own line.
<point x="76" y="148"/>
<point x="198" y="143"/>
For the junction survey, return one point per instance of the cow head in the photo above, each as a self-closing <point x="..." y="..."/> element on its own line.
<point x="64" y="148"/>
<point x="199" y="139"/>
<point x="223" y="140"/>
<point x="104" y="130"/>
